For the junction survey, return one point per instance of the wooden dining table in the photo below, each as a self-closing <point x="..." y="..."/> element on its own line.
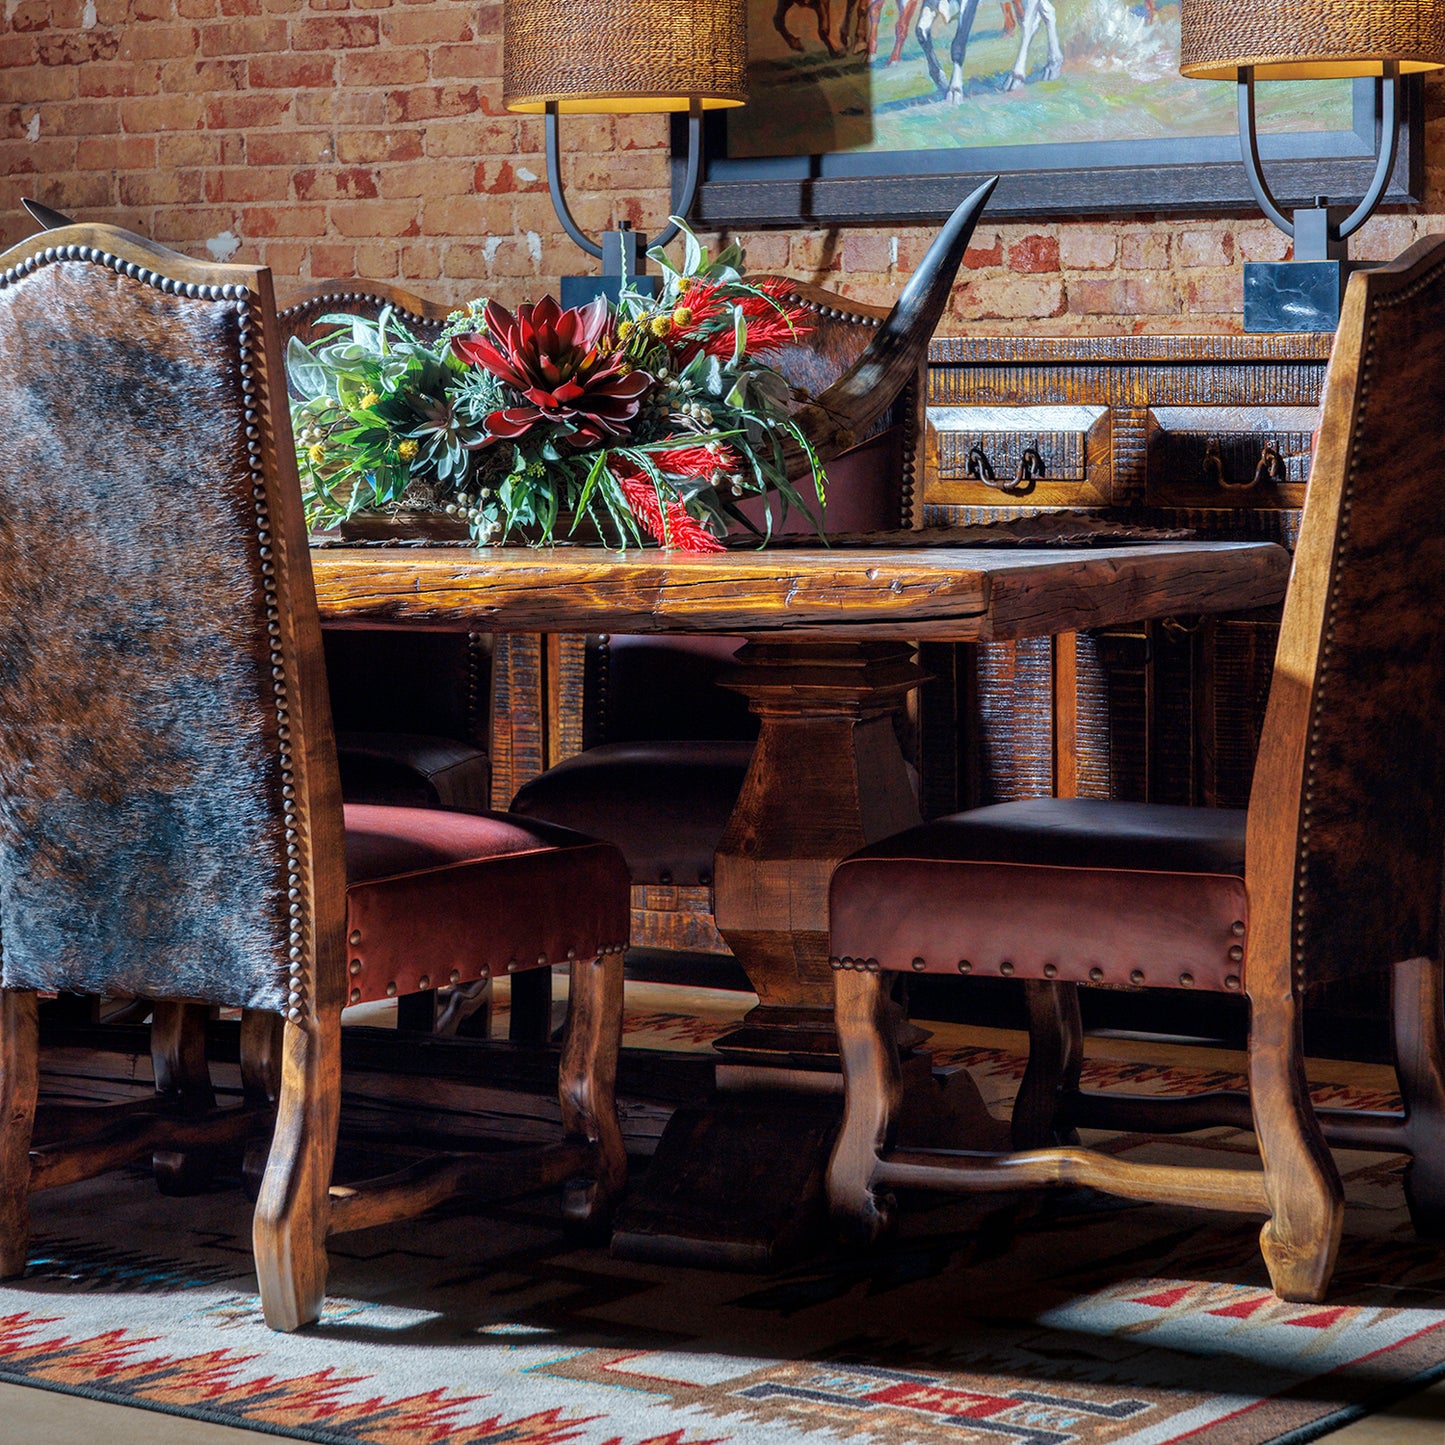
<point x="830" y="656"/>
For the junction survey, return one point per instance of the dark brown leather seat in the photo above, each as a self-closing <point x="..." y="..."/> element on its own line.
<point x="1334" y="873"/>
<point x="1000" y="892"/>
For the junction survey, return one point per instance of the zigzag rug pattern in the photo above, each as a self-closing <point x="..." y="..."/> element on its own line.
<point x="1058" y="1320"/>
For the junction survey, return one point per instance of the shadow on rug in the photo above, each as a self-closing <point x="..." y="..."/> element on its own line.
<point x="1051" y="1320"/>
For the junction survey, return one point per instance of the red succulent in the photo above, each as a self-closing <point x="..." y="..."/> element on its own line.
<point x="564" y="366"/>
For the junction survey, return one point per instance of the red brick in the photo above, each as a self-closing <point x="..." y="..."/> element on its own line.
<point x="441" y="178"/>
<point x="285" y="258"/>
<point x="336" y="182"/>
<point x="159" y="42"/>
<point x="81" y="117"/>
<point x="120" y="77"/>
<point x="377" y="258"/>
<point x="1034" y="254"/>
<point x="292" y="72"/>
<point x="385" y="67"/>
<point x="335" y="32"/>
<point x="479" y="136"/>
<point x="373" y="146"/>
<point x="76" y="47"/>
<point x="284" y="220"/>
<point x="363" y="219"/>
<point x="867" y="251"/>
<point x="248" y="183"/>
<point x="243" y="38"/>
<point x="188" y="148"/>
<point x="17" y="50"/>
<point x="197" y="9"/>
<point x="46" y="84"/>
<point x="120" y="153"/>
<point x="419" y="261"/>
<point x="437" y="25"/>
<point x="246" y="111"/>
<point x="161" y="188"/>
<point x="36" y="15"/>
<point x="977" y="258"/>
<point x="204" y="76"/>
<point x="332" y="259"/>
<point x="142" y="115"/>
<point x="467" y="62"/>
<point x="44" y="157"/>
<point x="288" y="147"/>
<point x="240" y="7"/>
<point x="316" y="107"/>
<point x="423" y="102"/>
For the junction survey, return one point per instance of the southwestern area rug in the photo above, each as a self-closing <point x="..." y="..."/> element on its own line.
<point x="1063" y="1320"/>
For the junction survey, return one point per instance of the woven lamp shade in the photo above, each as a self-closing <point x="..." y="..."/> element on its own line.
<point x="629" y="56"/>
<point x="1309" y="39"/>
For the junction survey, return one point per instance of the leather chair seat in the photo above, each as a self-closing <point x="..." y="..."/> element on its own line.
<point x="664" y="804"/>
<point x="413" y="770"/>
<point x="1075" y="889"/>
<point x="419" y="880"/>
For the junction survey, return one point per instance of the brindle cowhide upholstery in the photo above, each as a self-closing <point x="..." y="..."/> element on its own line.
<point x="141" y="812"/>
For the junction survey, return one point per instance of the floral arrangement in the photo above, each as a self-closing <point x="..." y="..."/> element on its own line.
<point x="652" y="418"/>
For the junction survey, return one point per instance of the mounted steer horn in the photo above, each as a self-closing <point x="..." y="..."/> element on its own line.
<point x="49" y="220"/>
<point x="837" y="418"/>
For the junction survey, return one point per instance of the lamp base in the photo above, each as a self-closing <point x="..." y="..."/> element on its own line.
<point x="1294" y="295"/>
<point x="579" y="290"/>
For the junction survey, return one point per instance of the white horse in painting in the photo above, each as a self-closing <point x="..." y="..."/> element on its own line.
<point x="1035" y="13"/>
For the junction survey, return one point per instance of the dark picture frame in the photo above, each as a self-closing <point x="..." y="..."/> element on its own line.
<point x="1196" y="174"/>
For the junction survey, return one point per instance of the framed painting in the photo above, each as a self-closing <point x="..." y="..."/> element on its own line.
<point x="892" y="110"/>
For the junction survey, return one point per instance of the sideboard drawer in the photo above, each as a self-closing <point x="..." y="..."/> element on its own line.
<point x="1229" y="456"/>
<point x="1038" y="456"/>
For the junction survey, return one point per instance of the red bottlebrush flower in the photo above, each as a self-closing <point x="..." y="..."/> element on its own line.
<point x="696" y="461"/>
<point x="771" y="322"/>
<point x="671" y="526"/>
<point x="564" y="366"/>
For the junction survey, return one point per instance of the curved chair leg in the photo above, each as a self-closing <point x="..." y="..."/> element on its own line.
<point x="261" y="1040"/>
<point x="1418" y="1020"/>
<point x="1302" y="1185"/>
<point x="1056" y="1059"/>
<point x="873" y="1092"/>
<point x="293" y="1211"/>
<point x="587" y="1085"/>
<point x="19" y="1085"/>
<point x="182" y="1075"/>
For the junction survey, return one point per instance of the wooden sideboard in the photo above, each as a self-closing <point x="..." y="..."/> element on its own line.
<point x="1209" y="433"/>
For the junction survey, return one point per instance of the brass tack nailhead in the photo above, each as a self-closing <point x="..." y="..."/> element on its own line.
<point x="1186" y="980"/>
<point x="1096" y="975"/>
<point x="1051" y="970"/>
<point x="1231" y="980"/>
<point x="424" y="982"/>
<point x="1237" y="928"/>
<point x="1235" y="953"/>
<point x="964" y="965"/>
<point x="355" y="967"/>
<point x="355" y="937"/>
<point x="391" y="990"/>
<point x="1137" y="976"/>
<point x="356" y="995"/>
<point x="455" y="976"/>
<point x="541" y="959"/>
<point x="1006" y="969"/>
<point x="919" y="965"/>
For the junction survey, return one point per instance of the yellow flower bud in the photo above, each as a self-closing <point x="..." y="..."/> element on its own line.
<point x="624" y="330"/>
<point x="369" y="399"/>
<point x="682" y="316"/>
<point x="316" y="454"/>
<point x="660" y="325"/>
<point x="408" y="449"/>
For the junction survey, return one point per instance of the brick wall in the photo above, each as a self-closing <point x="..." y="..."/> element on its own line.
<point x="367" y="137"/>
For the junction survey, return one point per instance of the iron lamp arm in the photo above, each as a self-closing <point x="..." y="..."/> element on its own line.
<point x="1387" y="145"/>
<point x="681" y="203"/>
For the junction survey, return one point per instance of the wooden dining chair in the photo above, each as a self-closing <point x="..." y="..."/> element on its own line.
<point x="171" y="825"/>
<point x="1334" y="872"/>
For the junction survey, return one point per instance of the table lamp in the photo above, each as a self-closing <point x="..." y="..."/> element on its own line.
<point x="1247" y="40"/>
<point x="565" y="57"/>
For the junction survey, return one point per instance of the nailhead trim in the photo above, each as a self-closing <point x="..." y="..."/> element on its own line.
<point x="298" y="961"/>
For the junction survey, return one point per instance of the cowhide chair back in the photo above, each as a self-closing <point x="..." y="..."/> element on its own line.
<point x="171" y="822"/>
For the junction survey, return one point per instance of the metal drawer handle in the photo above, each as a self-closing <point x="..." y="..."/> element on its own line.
<point x="979" y="467"/>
